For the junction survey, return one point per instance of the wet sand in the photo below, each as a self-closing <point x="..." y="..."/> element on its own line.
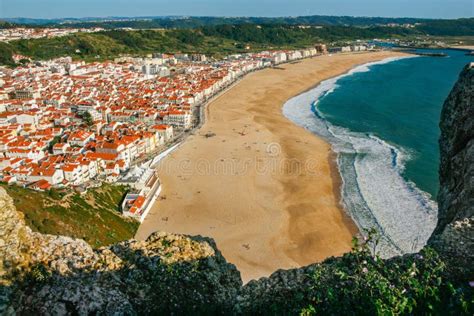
<point x="266" y="190"/>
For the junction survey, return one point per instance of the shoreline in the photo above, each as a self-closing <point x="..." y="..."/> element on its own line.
<point x="337" y="191"/>
<point x="364" y="213"/>
<point x="261" y="221"/>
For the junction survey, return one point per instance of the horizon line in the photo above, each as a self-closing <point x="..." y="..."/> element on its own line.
<point x="229" y="16"/>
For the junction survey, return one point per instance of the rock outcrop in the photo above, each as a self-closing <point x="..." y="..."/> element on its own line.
<point x="59" y="275"/>
<point x="169" y="273"/>
<point x="454" y="234"/>
<point x="14" y="239"/>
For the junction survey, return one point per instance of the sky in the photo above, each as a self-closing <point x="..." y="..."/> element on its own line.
<point x="270" y="8"/>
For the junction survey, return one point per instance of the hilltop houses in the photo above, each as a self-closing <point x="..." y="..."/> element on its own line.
<point x="11" y="34"/>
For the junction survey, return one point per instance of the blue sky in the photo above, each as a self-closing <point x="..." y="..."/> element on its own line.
<point x="96" y="8"/>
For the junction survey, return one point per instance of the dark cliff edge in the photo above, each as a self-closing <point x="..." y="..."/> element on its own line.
<point x="454" y="234"/>
<point x="176" y="274"/>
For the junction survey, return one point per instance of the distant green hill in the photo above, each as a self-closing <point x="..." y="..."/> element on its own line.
<point x="453" y="27"/>
<point x="212" y="40"/>
<point x="105" y="45"/>
<point x="222" y="36"/>
<point x="198" y="21"/>
<point x="460" y="27"/>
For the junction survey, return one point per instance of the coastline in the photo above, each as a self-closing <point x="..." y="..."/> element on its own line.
<point x="467" y="48"/>
<point x="399" y="234"/>
<point x="261" y="221"/>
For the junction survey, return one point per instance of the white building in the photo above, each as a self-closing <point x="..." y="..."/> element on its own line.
<point x="53" y="176"/>
<point x="165" y="131"/>
<point x="32" y="154"/>
<point x="60" y="148"/>
<point x="80" y="138"/>
<point x="279" y="58"/>
<point x="179" y="119"/>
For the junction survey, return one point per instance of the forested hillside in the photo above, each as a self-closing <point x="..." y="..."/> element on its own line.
<point x="454" y="27"/>
<point x="212" y="40"/>
<point x="221" y="36"/>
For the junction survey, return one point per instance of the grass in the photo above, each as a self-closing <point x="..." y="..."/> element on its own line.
<point x="94" y="216"/>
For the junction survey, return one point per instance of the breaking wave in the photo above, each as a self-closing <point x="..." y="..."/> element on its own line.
<point x="374" y="191"/>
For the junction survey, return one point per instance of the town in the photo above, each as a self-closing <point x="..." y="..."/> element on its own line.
<point x="18" y="33"/>
<point x="66" y="123"/>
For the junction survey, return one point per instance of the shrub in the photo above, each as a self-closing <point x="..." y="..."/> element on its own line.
<point x="364" y="284"/>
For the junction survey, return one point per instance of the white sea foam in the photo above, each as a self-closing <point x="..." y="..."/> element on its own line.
<point x="374" y="191"/>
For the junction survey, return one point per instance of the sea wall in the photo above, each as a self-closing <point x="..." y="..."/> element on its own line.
<point x="171" y="273"/>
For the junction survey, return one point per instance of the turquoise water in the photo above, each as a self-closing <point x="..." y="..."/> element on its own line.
<point x="382" y="120"/>
<point x="399" y="102"/>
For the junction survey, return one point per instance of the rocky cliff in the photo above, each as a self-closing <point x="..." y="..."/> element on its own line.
<point x="170" y="273"/>
<point x="454" y="234"/>
<point x="56" y="275"/>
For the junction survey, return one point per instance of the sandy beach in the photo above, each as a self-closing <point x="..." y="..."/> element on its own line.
<point x="466" y="47"/>
<point x="265" y="189"/>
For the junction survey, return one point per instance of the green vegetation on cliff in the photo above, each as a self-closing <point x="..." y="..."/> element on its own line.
<point x="212" y="40"/>
<point x="106" y="45"/>
<point x="363" y="284"/>
<point x="295" y="35"/>
<point x="359" y="283"/>
<point x="93" y="216"/>
<point x="6" y="52"/>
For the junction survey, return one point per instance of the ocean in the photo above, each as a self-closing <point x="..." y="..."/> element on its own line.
<point x="382" y="121"/>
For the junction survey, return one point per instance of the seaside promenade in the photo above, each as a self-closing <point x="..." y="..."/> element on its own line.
<point x="265" y="189"/>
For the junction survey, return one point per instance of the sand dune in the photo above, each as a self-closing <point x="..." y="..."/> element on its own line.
<point x="265" y="189"/>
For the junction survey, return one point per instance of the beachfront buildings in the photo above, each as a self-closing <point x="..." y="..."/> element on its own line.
<point x="145" y="189"/>
<point x="352" y="47"/>
<point x="180" y="119"/>
<point x="66" y="123"/>
<point x="164" y="131"/>
<point x="321" y="48"/>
